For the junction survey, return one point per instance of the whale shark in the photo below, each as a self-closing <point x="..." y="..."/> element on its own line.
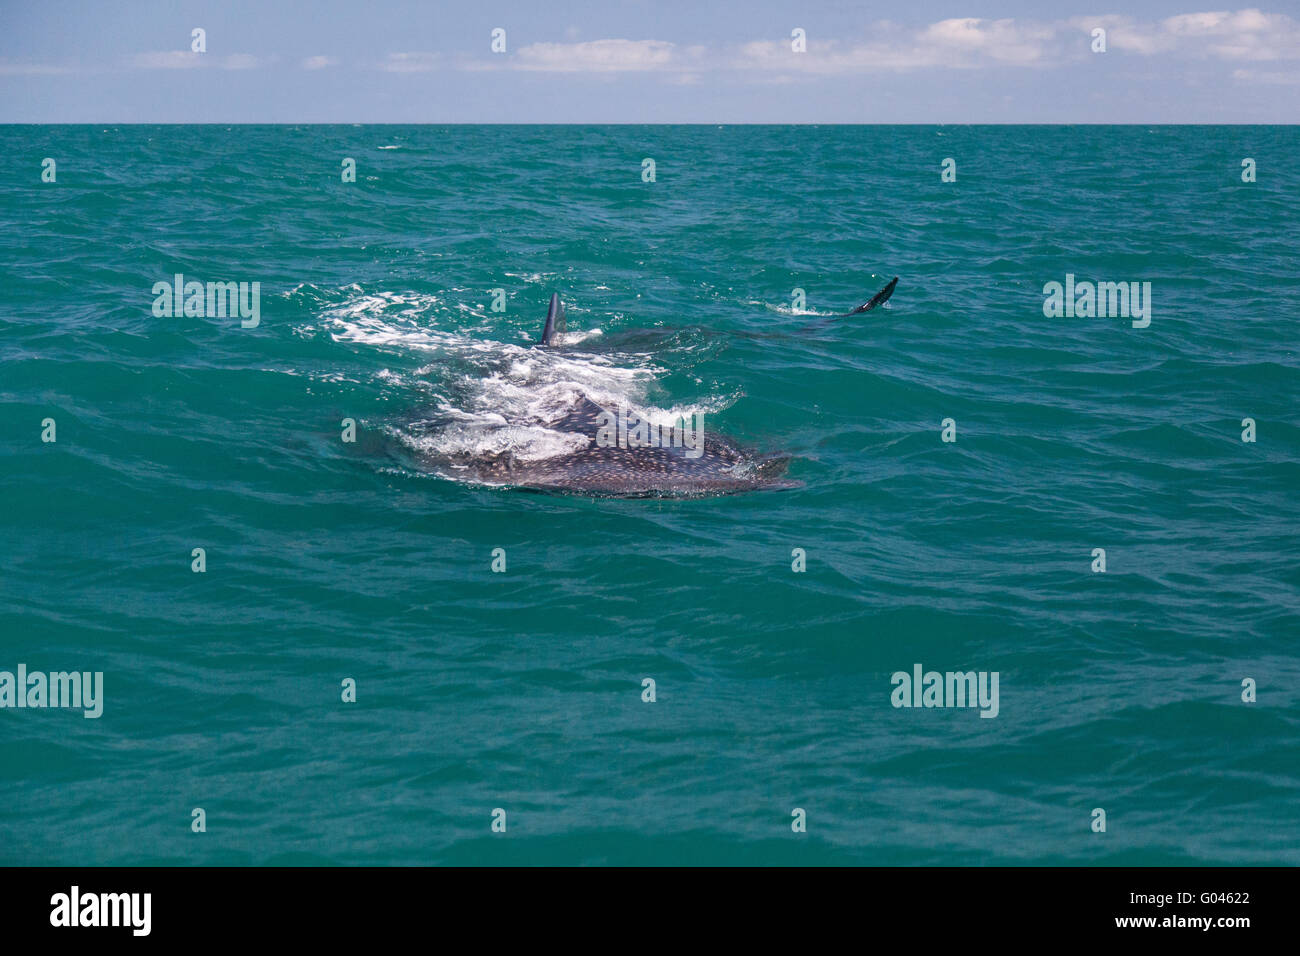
<point x="619" y="452"/>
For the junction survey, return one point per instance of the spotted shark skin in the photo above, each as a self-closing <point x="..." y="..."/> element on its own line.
<point x="615" y="471"/>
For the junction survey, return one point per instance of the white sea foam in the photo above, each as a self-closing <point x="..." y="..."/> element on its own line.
<point x="786" y="309"/>
<point x="499" y="397"/>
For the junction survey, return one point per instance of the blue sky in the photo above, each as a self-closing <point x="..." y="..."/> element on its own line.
<point x="992" y="61"/>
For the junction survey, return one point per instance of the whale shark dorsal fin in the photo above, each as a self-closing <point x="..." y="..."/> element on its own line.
<point x="554" y="327"/>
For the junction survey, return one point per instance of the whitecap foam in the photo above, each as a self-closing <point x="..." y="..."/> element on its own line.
<point x="497" y="397"/>
<point x="784" y="309"/>
<point x="573" y="338"/>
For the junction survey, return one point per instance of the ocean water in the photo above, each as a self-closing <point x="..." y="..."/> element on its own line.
<point x="522" y="690"/>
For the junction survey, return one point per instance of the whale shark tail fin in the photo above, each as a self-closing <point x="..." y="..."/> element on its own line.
<point x="554" y="327"/>
<point x="879" y="298"/>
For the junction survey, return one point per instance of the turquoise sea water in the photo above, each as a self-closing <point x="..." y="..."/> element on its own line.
<point x="522" y="690"/>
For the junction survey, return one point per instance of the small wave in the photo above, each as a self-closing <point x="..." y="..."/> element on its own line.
<point x="784" y="309"/>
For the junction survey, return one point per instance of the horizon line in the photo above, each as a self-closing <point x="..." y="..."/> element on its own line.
<point x="602" y="123"/>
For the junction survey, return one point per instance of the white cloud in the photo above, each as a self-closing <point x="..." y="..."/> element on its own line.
<point x="953" y="43"/>
<point x="319" y="62"/>
<point x="969" y="42"/>
<point x="185" y="60"/>
<point x="168" y="60"/>
<point x="1269" y="77"/>
<point x="1244" y="35"/>
<point x="599" y="56"/>
<point x="33" y="69"/>
<point x="959" y="43"/>
<point x="1249" y="35"/>
<point x="409" y="62"/>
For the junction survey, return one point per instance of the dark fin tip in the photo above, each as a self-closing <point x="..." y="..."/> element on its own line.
<point x="880" y="298"/>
